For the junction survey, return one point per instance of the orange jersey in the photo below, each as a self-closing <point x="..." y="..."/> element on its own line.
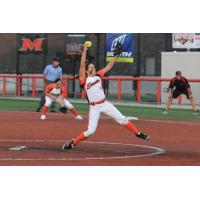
<point x="100" y="73"/>
<point x="50" y="89"/>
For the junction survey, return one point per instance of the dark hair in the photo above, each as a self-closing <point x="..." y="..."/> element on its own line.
<point x="56" y="59"/>
<point x="90" y="60"/>
<point x="87" y="65"/>
<point x="178" y="73"/>
<point x="58" y="79"/>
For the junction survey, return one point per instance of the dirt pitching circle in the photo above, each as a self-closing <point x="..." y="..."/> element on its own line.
<point x="51" y="150"/>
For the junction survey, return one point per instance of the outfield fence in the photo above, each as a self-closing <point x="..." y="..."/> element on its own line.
<point x="120" y="88"/>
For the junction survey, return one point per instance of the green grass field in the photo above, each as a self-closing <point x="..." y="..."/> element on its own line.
<point x="177" y="114"/>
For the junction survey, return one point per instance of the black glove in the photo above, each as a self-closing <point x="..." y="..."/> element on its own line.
<point x="118" y="49"/>
<point x="63" y="110"/>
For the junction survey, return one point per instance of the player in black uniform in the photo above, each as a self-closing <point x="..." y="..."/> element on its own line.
<point x="181" y="86"/>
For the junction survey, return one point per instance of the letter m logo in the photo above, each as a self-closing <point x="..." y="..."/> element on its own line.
<point x="35" y="45"/>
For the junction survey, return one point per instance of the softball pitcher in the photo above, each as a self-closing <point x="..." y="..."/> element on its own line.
<point x="91" y="82"/>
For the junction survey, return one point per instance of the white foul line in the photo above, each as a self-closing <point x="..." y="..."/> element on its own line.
<point x="106" y="117"/>
<point x="170" y="122"/>
<point x="157" y="152"/>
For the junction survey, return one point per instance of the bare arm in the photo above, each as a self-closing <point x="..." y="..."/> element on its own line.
<point x="83" y="61"/>
<point x="47" y="93"/>
<point x="62" y="96"/>
<point x="188" y="87"/>
<point x="109" y="66"/>
<point x="171" y="87"/>
<point x="171" y="92"/>
<point x="117" y="52"/>
<point x="62" y="101"/>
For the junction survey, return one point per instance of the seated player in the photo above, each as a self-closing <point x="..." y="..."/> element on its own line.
<point x="91" y="82"/>
<point x="55" y="92"/>
<point x="181" y="86"/>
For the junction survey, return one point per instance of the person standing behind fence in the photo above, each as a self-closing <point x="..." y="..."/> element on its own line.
<point x="51" y="72"/>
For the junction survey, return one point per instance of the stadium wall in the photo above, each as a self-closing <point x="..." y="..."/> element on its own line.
<point x="146" y="45"/>
<point x="188" y="63"/>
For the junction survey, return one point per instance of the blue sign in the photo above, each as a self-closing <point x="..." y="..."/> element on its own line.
<point x="126" y="39"/>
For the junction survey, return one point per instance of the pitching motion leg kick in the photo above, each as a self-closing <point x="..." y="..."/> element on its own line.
<point x="91" y="81"/>
<point x="110" y="110"/>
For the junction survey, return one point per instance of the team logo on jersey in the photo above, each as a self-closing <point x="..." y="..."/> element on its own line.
<point x="89" y="85"/>
<point x="55" y="91"/>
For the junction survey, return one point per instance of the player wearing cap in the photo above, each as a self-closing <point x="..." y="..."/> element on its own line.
<point x="55" y="92"/>
<point x="181" y="86"/>
<point x="91" y="82"/>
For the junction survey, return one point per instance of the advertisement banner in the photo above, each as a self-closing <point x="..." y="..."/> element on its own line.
<point x="127" y="41"/>
<point x="186" y="40"/>
<point x="31" y="43"/>
<point x="74" y="43"/>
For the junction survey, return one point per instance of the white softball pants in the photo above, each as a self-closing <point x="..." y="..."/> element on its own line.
<point x="106" y="108"/>
<point x="49" y="101"/>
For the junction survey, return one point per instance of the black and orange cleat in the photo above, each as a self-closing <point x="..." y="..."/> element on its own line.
<point x="143" y="136"/>
<point x="69" y="145"/>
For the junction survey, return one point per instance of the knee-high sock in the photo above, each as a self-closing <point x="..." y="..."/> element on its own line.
<point x="74" y="112"/>
<point x="45" y="109"/>
<point x="79" y="138"/>
<point x="132" y="127"/>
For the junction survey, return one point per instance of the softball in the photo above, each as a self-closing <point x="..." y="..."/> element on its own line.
<point x="88" y="43"/>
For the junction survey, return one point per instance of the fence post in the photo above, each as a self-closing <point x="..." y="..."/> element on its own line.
<point x="119" y="90"/>
<point x="179" y="100"/>
<point x="33" y="86"/>
<point x="18" y="86"/>
<point x="138" y="91"/>
<point x="158" y="92"/>
<point x="4" y="86"/>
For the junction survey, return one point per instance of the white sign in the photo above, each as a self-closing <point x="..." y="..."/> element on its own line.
<point x="186" y="40"/>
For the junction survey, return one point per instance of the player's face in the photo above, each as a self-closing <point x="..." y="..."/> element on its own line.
<point x="178" y="76"/>
<point x="58" y="84"/>
<point x="55" y="63"/>
<point x="91" y="71"/>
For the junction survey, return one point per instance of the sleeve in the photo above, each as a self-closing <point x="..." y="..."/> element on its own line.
<point x="171" y="84"/>
<point x="46" y="70"/>
<point x="101" y="73"/>
<point x="63" y="91"/>
<point x="186" y="82"/>
<point x="48" y="88"/>
<point x="82" y="80"/>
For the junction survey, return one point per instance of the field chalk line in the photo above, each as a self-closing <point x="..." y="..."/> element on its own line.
<point x="129" y="117"/>
<point x="157" y="152"/>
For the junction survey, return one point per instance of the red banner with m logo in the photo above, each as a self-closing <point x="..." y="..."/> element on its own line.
<point x="32" y="45"/>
